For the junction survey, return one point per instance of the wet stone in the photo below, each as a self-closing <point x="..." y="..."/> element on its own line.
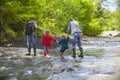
<point x="67" y="76"/>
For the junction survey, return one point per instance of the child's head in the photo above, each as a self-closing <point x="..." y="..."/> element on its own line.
<point x="47" y="32"/>
<point x="63" y="36"/>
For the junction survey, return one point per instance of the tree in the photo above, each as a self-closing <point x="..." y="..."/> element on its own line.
<point x="51" y="15"/>
<point x="118" y="15"/>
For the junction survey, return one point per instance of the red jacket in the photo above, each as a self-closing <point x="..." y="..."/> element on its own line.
<point x="47" y="40"/>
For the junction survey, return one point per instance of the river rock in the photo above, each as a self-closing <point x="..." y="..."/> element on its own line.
<point x="58" y="66"/>
<point x="111" y="33"/>
<point x="66" y="76"/>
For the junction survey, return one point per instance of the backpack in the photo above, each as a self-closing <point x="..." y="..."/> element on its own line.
<point x="28" y="29"/>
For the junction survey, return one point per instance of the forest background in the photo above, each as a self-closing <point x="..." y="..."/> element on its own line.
<point x="53" y="15"/>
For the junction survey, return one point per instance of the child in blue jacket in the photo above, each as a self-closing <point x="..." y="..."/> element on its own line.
<point x="63" y="45"/>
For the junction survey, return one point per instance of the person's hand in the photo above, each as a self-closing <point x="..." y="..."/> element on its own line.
<point x="57" y="41"/>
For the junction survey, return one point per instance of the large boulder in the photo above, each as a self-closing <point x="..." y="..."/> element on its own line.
<point x="111" y="33"/>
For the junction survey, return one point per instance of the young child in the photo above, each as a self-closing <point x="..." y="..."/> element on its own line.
<point x="46" y="43"/>
<point x="63" y="45"/>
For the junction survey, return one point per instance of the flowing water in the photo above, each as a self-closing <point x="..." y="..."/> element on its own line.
<point x="101" y="62"/>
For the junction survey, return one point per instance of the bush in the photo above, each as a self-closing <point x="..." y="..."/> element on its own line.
<point x="10" y="34"/>
<point x="93" y="29"/>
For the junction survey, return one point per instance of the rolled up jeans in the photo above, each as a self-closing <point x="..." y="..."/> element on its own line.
<point x="76" y="39"/>
<point x="31" y="41"/>
<point x="45" y="49"/>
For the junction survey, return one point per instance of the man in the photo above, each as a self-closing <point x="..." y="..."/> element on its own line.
<point x="76" y="31"/>
<point x="31" y="38"/>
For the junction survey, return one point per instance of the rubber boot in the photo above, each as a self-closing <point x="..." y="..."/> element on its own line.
<point x="45" y="54"/>
<point x="61" y="56"/>
<point x="29" y="51"/>
<point x="81" y="53"/>
<point x="74" y="53"/>
<point x="34" y="49"/>
<point x="48" y="53"/>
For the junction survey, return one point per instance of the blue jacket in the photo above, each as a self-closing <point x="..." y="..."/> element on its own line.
<point x="64" y="43"/>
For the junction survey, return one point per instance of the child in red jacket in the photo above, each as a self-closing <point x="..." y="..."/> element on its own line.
<point x="46" y="43"/>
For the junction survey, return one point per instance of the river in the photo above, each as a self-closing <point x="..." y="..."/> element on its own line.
<point x="101" y="62"/>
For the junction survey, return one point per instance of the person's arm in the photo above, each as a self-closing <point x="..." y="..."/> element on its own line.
<point x="68" y="28"/>
<point x="37" y="27"/>
<point x="80" y="28"/>
<point x="43" y="34"/>
<point x="60" y="42"/>
<point x="52" y="38"/>
<point x="68" y="38"/>
<point x="33" y="28"/>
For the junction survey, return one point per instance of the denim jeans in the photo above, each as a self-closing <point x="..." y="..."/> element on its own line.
<point x="31" y="41"/>
<point x="45" y="49"/>
<point x="76" y="39"/>
<point x="62" y="50"/>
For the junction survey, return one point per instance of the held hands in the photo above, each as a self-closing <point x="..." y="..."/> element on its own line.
<point x="57" y="41"/>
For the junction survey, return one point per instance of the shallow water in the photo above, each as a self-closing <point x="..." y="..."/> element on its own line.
<point x="101" y="62"/>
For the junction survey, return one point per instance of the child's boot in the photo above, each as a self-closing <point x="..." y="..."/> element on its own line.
<point x="61" y="56"/>
<point x="45" y="54"/>
<point x="48" y="53"/>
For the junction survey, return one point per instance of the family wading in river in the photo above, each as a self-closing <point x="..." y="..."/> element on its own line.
<point x="73" y="26"/>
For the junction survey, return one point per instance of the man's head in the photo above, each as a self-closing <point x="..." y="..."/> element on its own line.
<point x="33" y="20"/>
<point x="71" y="19"/>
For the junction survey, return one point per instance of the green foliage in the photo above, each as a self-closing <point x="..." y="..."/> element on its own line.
<point x="94" y="28"/>
<point x="117" y="15"/>
<point x="107" y="20"/>
<point x="10" y="34"/>
<point x="117" y="22"/>
<point x="52" y="15"/>
<point x="110" y="20"/>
